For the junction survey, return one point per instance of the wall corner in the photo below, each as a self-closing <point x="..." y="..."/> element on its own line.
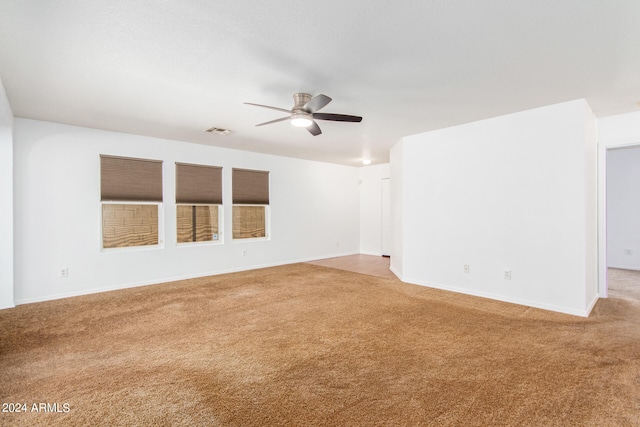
<point x="6" y="207"/>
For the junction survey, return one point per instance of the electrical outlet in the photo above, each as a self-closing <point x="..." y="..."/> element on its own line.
<point x="466" y="268"/>
<point x="244" y="252"/>
<point x="628" y="252"/>
<point x="507" y="275"/>
<point x="63" y="272"/>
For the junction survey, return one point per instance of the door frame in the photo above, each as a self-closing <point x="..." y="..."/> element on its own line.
<point x="603" y="148"/>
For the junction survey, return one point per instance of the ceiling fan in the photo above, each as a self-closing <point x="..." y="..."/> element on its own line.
<point x="305" y="112"/>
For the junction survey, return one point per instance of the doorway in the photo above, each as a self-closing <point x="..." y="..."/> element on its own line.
<point x="619" y="223"/>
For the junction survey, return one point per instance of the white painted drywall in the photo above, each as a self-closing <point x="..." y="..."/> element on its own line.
<point x="386" y="217"/>
<point x="619" y="130"/>
<point x="507" y="193"/>
<point x="6" y="198"/>
<point x="371" y="208"/>
<point x="623" y="208"/>
<point x="592" y="285"/>
<point x="396" y="168"/>
<point x="314" y="212"/>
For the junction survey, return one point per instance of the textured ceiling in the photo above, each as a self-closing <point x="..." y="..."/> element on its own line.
<point x="172" y="69"/>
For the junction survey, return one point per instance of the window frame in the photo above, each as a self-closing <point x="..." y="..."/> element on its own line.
<point x="267" y="207"/>
<point x="128" y="200"/>
<point x="220" y="206"/>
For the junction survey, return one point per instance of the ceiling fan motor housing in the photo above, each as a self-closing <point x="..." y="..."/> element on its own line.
<point x="299" y="100"/>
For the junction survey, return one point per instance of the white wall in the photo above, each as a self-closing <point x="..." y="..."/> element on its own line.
<point x="619" y="130"/>
<point x="396" y="168"/>
<point x="371" y="208"/>
<point x="6" y="201"/>
<point x="508" y="193"/>
<point x="623" y="208"/>
<point x="592" y="286"/>
<point x="314" y="212"/>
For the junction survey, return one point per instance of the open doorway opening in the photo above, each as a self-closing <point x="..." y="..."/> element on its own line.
<point x="619" y="257"/>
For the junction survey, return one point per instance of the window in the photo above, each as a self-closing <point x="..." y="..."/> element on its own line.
<point x="130" y="194"/>
<point x="250" y="203"/>
<point x="198" y="200"/>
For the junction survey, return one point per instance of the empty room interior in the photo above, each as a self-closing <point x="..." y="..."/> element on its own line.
<point x="334" y="213"/>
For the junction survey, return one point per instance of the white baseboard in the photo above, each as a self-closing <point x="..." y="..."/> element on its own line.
<point x="158" y="281"/>
<point x="397" y="273"/>
<point x="624" y="267"/>
<point x="371" y="253"/>
<point x="544" y="306"/>
<point x="527" y="303"/>
<point x="591" y="305"/>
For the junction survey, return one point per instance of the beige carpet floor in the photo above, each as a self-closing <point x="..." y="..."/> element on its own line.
<point x="306" y="345"/>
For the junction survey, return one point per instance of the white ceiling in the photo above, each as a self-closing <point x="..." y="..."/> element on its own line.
<point x="172" y="69"/>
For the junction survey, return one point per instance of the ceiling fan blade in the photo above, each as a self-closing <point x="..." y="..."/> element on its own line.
<point x="267" y="106"/>
<point x="314" y="129"/>
<point x="317" y="103"/>
<point x="275" y="121"/>
<point x="337" y="117"/>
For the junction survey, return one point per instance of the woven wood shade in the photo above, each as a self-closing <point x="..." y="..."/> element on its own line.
<point x="198" y="184"/>
<point x="250" y="187"/>
<point x="129" y="179"/>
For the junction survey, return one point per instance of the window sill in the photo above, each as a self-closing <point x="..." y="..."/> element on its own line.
<point x="133" y="249"/>
<point x="194" y="244"/>
<point x="251" y="239"/>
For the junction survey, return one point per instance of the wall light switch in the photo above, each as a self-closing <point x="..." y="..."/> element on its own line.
<point x="466" y="268"/>
<point x="628" y="251"/>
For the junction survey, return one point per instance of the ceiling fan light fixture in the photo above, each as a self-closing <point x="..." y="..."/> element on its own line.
<point x="301" y="119"/>
<point x="305" y="113"/>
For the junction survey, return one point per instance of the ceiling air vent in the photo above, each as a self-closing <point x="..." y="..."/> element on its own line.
<point x="219" y="131"/>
